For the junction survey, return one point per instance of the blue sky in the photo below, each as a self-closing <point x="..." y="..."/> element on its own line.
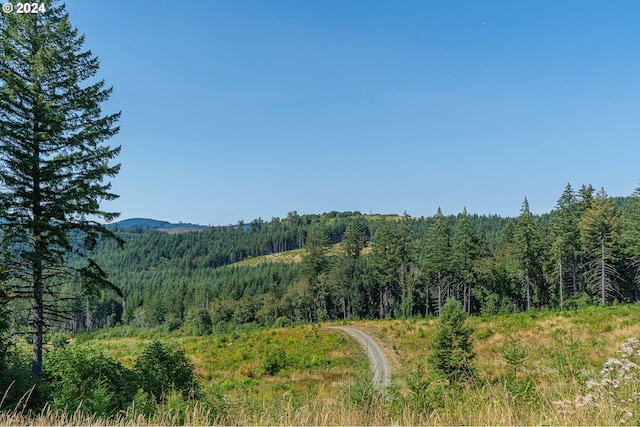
<point x="233" y="110"/>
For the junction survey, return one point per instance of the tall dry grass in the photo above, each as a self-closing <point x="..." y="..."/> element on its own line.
<point x="482" y="407"/>
<point x="562" y="355"/>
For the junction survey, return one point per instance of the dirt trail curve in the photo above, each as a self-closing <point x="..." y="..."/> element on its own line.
<point x="379" y="363"/>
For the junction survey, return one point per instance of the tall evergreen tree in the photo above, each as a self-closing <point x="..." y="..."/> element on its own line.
<point x="599" y="234"/>
<point x="385" y="260"/>
<point x="355" y="237"/>
<point x="408" y="271"/>
<point x="53" y="162"/>
<point x="465" y="252"/>
<point x="528" y="247"/>
<point x="565" y="242"/>
<point x="437" y="258"/>
<point x="585" y="199"/>
<point x="630" y="239"/>
<point x="314" y="263"/>
<point x="348" y="270"/>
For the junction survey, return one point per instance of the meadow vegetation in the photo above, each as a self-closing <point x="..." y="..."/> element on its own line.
<point x="540" y="367"/>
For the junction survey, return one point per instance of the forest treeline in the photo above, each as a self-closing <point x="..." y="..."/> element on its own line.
<point x="585" y="251"/>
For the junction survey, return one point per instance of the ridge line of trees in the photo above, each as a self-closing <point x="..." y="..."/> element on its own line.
<point x="585" y="251"/>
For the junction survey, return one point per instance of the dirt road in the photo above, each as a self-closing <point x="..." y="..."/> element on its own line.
<point x="379" y="363"/>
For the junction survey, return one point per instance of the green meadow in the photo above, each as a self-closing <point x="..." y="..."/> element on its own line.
<point x="541" y="367"/>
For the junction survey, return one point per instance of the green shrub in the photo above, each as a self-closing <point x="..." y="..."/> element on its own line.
<point x="282" y="322"/>
<point x="418" y="387"/>
<point x="165" y="369"/>
<point x="451" y="346"/>
<point x="5" y="345"/>
<point x="362" y="392"/>
<point x="514" y="354"/>
<point x="59" y="340"/>
<point x="81" y="378"/>
<point x="16" y="382"/>
<point x="274" y="359"/>
<point x="484" y="334"/>
<point x="172" y="324"/>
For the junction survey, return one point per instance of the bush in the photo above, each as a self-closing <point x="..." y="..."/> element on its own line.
<point x="16" y="382"/>
<point x="451" y="346"/>
<point x="164" y="369"/>
<point x="274" y="359"/>
<point x="80" y="378"/>
<point x="59" y="340"/>
<point x="172" y="324"/>
<point x="5" y="345"/>
<point x="282" y="322"/>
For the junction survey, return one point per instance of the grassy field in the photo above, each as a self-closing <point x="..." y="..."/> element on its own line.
<point x="532" y="368"/>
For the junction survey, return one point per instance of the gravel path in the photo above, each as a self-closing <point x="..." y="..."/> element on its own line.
<point x="379" y="363"/>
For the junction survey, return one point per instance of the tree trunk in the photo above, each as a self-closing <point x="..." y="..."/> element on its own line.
<point x="528" y="286"/>
<point x="561" y="284"/>
<point x="439" y="293"/>
<point x="574" y="272"/>
<point x="38" y="321"/>
<point x="602" y="272"/>
<point x="426" y="300"/>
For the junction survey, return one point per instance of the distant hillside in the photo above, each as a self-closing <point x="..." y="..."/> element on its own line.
<point x="147" y="224"/>
<point x="251" y="272"/>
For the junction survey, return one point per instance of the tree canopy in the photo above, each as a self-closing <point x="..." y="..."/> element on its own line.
<point x="53" y="162"/>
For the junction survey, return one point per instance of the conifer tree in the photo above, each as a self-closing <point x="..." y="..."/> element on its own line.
<point x="314" y="263"/>
<point x="527" y="238"/>
<point x="348" y="269"/>
<point x="465" y="252"/>
<point x="355" y="238"/>
<point x="565" y="242"/>
<point x="408" y="272"/>
<point x="630" y="238"/>
<point x="437" y="257"/>
<point x="385" y="260"/>
<point x="452" y="352"/>
<point x="599" y="234"/>
<point x="53" y="161"/>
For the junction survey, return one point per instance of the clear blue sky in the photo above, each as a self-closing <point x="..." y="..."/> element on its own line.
<point x="241" y="109"/>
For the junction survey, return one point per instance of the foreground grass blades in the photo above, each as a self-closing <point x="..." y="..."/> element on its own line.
<point x="532" y="368"/>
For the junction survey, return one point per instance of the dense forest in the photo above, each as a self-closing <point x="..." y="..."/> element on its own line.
<point x="585" y="251"/>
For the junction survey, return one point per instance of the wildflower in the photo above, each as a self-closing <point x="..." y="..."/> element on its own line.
<point x="610" y="365"/>
<point x="591" y="384"/>
<point x="618" y="377"/>
<point x="582" y="401"/>
<point x="564" y="406"/>
<point x="630" y="347"/>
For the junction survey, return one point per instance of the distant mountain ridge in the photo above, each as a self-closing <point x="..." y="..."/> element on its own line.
<point x="147" y="224"/>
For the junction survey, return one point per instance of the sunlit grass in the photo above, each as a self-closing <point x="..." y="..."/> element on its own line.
<point x="526" y="364"/>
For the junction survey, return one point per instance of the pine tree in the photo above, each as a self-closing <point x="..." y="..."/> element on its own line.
<point x="347" y="270"/>
<point x="502" y="289"/>
<point x="465" y="253"/>
<point x="452" y="352"/>
<point x="408" y="272"/>
<point x="437" y="257"/>
<point x="355" y="238"/>
<point x="314" y="263"/>
<point x="527" y="238"/>
<point x="630" y="238"/>
<point x="565" y="242"/>
<point x="385" y="260"/>
<point x="599" y="234"/>
<point x="53" y="162"/>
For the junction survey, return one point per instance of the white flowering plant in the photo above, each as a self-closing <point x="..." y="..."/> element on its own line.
<point x="615" y="391"/>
